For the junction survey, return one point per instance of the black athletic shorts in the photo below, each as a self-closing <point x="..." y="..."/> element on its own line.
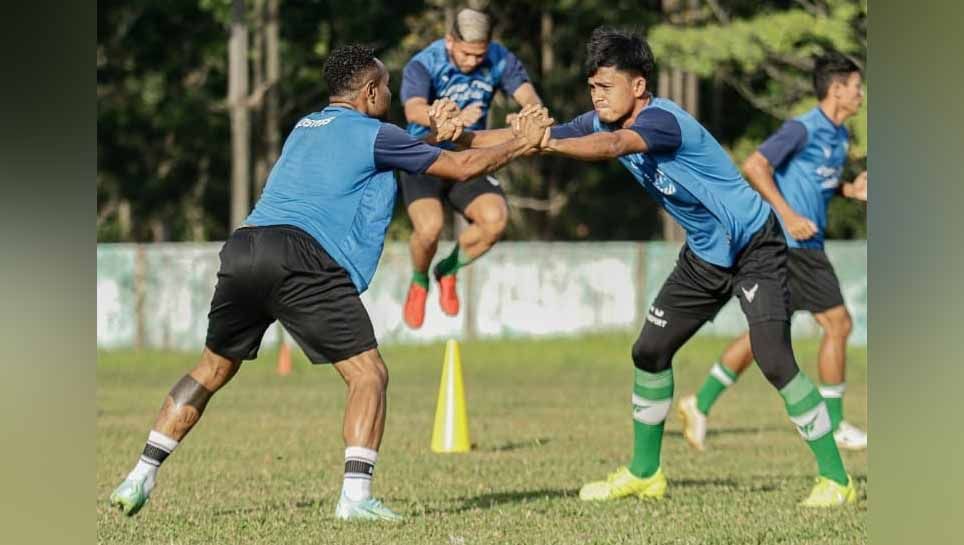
<point x="699" y="289"/>
<point x="282" y="273"/>
<point x="814" y="286"/>
<point x="458" y="194"/>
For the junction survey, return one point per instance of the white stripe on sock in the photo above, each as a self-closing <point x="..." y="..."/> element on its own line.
<point x="361" y="453"/>
<point x="833" y="390"/>
<point x="162" y="441"/>
<point x="650" y="411"/>
<point x="720" y="375"/>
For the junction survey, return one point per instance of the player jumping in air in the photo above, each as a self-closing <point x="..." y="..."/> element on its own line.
<point x="467" y="68"/>
<point x="306" y="252"/>
<point x="797" y="170"/>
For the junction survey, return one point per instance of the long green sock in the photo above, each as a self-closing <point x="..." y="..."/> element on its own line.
<point x="718" y="380"/>
<point x="420" y="278"/>
<point x="809" y="412"/>
<point x="652" y="397"/>
<point x="453" y="262"/>
<point x="833" y="395"/>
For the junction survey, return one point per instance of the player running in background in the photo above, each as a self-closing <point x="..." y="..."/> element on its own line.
<point x="467" y="68"/>
<point x="797" y="170"/>
<point x="734" y="247"/>
<point x="305" y="253"/>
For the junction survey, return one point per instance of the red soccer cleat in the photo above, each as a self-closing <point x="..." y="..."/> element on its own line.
<point x="414" y="313"/>
<point x="448" y="299"/>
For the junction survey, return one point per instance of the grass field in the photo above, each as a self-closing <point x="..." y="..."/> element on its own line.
<point x="265" y="464"/>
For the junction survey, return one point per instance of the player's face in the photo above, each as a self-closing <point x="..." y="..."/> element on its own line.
<point x="382" y="94"/>
<point x="467" y="56"/>
<point x="614" y="93"/>
<point x="850" y="94"/>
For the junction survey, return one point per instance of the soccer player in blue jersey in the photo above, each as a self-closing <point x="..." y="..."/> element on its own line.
<point x="466" y="68"/>
<point x="305" y="253"/>
<point x="734" y="247"/>
<point x="797" y="170"/>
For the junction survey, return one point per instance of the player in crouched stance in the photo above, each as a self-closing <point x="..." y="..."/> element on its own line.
<point x="306" y="252"/>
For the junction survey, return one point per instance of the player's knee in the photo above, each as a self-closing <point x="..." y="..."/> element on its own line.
<point x="838" y="323"/>
<point x="651" y="355"/>
<point x="429" y="228"/>
<point x="493" y="220"/>
<point x="779" y="373"/>
<point x="373" y="375"/>
<point x="214" y="371"/>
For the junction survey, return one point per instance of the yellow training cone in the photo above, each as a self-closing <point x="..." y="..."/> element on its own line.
<point x="451" y="433"/>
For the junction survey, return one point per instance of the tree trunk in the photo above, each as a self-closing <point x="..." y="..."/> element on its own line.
<point x="237" y="102"/>
<point x="272" y="117"/>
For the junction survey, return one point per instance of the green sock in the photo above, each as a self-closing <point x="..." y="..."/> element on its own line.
<point x="453" y="262"/>
<point x="808" y="411"/>
<point x="833" y="395"/>
<point x="652" y="396"/>
<point x="420" y="278"/>
<point x="718" y="380"/>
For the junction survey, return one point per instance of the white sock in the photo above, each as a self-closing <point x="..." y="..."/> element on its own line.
<point x="359" y="468"/>
<point x="157" y="449"/>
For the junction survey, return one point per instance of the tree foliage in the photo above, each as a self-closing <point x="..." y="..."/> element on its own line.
<point x="163" y="126"/>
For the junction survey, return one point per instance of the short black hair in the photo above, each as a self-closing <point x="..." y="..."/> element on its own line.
<point x="619" y="49"/>
<point x="829" y="67"/>
<point x="345" y="68"/>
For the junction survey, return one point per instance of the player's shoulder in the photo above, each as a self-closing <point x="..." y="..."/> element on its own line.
<point x="497" y="51"/>
<point x="432" y="55"/>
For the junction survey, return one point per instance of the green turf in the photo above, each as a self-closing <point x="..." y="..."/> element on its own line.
<point x="264" y="465"/>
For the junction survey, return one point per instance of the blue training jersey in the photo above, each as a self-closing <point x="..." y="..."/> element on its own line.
<point x="689" y="174"/>
<point x="335" y="180"/>
<point x="432" y="75"/>
<point x="808" y="154"/>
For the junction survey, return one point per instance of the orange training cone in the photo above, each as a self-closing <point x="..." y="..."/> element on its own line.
<point x="451" y="433"/>
<point x="284" y="358"/>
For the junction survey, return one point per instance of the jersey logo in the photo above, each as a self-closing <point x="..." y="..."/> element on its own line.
<point x="827" y="151"/>
<point x="664" y="184"/>
<point x="313" y="123"/>
<point x="751" y="293"/>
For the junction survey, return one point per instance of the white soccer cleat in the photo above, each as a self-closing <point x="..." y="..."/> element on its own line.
<point x="694" y="422"/>
<point x="850" y="437"/>
<point x="367" y="509"/>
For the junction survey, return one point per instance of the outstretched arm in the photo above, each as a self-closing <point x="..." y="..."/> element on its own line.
<point x="465" y="165"/>
<point x="597" y="146"/>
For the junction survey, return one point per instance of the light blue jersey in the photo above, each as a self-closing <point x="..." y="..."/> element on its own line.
<point x="688" y="173"/>
<point x="335" y="181"/>
<point x="808" y="155"/>
<point x="432" y="75"/>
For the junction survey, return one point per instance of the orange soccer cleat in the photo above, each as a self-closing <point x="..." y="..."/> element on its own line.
<point x="414" y="313"/>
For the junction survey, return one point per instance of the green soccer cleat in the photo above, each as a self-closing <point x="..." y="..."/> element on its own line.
<point x="130" y="496"/>
<point x="368" y="509"/>
<point x="622" y="483"/>
<point x="829" y="493"/>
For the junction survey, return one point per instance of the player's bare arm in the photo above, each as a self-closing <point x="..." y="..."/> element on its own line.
<point x="465" y="165"/>
<point x="597" y="146"/>
<point x="759" y="173"/>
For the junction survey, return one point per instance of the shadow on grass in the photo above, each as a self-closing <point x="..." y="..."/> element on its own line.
<point x="516" y="445"/>
<point x="497" y="499"/>
<point x="734" y="431"/>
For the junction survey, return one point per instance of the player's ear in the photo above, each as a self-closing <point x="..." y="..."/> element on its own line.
<point x="639" y="86"/>
<point x="449" y="42"/>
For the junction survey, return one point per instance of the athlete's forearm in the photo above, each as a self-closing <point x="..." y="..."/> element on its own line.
<point x="762" y="181"/>
<point x="464" y="165"/>
<point x="417" y="112"/>
<point x="594" y="147"/>
<point x="484" y="139"/>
